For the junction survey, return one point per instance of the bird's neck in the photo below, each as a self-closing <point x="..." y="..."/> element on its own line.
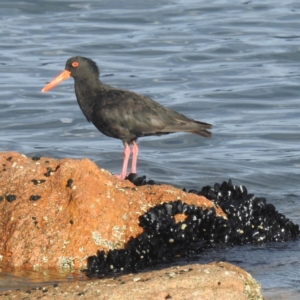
<point x="86" y="94"/>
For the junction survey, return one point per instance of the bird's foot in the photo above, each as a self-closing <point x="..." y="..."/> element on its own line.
<point x="121" y="176"/>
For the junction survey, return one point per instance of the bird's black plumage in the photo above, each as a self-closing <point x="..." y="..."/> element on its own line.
<point x="123" y="114"/>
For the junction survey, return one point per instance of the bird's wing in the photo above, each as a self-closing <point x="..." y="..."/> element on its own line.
<point x="140" y="114"/>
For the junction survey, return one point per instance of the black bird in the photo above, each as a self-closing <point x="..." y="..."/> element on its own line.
<point x="122" y="114"/>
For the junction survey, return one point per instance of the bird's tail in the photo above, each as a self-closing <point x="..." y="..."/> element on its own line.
<point x="201" y="129"/>
<point x="192" y="126"/>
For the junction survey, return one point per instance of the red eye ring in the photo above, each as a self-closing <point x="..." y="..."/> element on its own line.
<point x="75" y="64"/>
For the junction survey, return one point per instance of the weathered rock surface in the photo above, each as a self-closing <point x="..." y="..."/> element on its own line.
<point x="213" y="281"/>
<point x="56" y="213"/>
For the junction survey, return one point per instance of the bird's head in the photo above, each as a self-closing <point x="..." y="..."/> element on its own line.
<point x="76" y="67"/>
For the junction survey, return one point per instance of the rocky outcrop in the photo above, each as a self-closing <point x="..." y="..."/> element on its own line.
<point x="189" y="282"/>
<point x="56" y="213"/>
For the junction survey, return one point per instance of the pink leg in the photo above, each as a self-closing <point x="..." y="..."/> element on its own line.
<point x="126" y="153"/>
<point x="135" y="152"/>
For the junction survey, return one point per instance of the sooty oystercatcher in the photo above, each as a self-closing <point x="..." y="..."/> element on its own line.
<point x="122" y="114"/>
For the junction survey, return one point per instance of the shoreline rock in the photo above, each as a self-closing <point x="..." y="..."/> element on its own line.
<point x="56" y="213"/>
<point x="185" y="282"/>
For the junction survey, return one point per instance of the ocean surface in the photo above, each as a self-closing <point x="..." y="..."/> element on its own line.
<point x="234" y="64"/>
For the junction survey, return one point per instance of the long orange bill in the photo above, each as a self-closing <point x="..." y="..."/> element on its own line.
<point x="61" y="77"/>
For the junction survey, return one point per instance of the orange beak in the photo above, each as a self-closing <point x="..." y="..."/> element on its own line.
<point x="61" y="77"/>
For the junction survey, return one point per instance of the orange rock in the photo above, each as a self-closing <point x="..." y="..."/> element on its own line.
<point x="220" y="281"/>
<point x="65" y="210"/>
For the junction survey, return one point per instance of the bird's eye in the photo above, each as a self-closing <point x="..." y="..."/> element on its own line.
<point x="75" y="64"/>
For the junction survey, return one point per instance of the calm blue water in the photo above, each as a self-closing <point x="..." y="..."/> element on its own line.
<point x="232" y="64"/>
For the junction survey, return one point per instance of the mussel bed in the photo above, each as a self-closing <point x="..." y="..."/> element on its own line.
<point x="250" y="220"/>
